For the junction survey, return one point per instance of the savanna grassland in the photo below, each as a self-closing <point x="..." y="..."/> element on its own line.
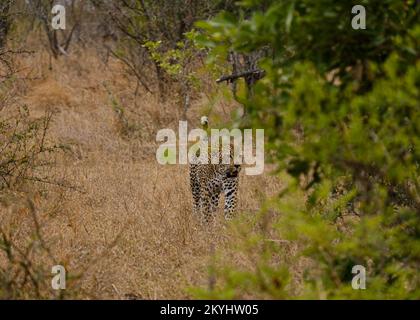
<point x="120" y="223"/>
<point x="335" y="86"/>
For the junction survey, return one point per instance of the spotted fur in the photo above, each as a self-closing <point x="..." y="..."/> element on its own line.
<point x="208" y="181"/>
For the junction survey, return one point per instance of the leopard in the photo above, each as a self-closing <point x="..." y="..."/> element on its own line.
<point x="208" y="181"/>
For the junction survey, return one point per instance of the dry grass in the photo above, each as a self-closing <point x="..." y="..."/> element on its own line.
<point x="128" y="226"/>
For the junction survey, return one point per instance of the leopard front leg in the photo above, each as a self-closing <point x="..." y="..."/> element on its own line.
<point x="209" y="200"/>
<point x="230" y="190"/>
<point x="195" y="188"/>
<point x="205" y="213"/>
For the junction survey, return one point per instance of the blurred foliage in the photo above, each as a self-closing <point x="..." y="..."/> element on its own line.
<point x="179" y="61"/>
<point x="340" y="109"/>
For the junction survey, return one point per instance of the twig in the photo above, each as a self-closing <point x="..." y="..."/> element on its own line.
<point x="256" y="74"/>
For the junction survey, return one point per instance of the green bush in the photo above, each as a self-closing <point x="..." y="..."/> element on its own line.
<point x="340" y="109"/>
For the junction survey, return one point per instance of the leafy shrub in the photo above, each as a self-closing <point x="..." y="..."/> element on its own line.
<point x="340" y="108"/>
<point x="23" y="147"/>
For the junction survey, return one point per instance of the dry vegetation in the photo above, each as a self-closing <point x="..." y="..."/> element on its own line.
<point x="80" y="185"/>
<point x="119" y="222"/>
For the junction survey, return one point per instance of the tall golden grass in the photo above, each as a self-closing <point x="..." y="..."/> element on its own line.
<point x="120" y="223"/>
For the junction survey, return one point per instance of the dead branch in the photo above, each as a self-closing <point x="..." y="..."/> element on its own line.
<point x="255" y="74"/>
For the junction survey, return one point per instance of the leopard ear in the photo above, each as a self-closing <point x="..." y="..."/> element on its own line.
<point x="204" y="121"/>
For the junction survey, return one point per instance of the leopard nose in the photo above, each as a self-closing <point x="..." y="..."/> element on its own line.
<point x="233" y="172"/>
